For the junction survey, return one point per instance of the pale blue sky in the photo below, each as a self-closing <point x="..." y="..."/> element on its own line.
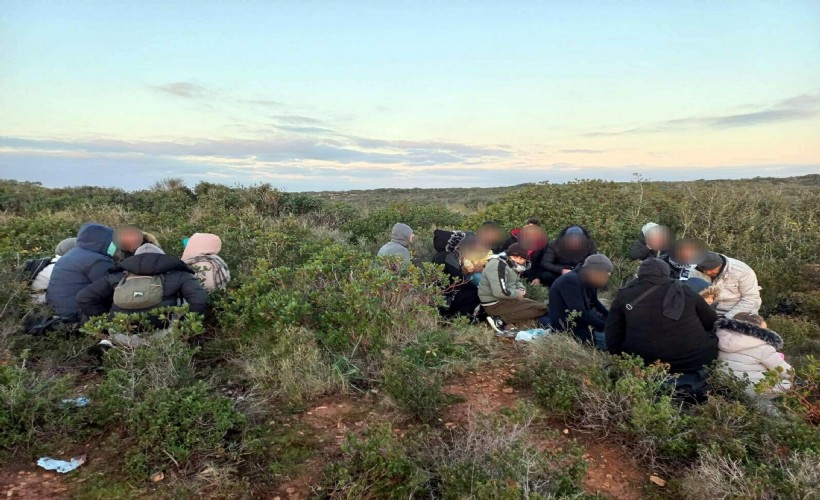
<point x="322" y="95"/>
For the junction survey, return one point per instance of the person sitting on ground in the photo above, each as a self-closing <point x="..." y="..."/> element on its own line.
<point x="460" y="294"/>
<point x="128" y="238"/>
<point x="574" y="303"/>
<point x="42" y="276"/>
<point x="400" y="239"/>
<point x="491" y="236"/>
<point x="653" y="241"/>
<point x="515" y="234"/>
<point x="89" y="261"/>
<point x="502" y="291"/>
<point x="659" y="319"/>
<point x="683" y="257"/>
<point x="201" y="253"/>
<point x="534" y="240"/>
<point x="565" y="253"/>
<point x="750" y="349"/>
<point x="146" y="281"/>
<point x="737" y="282"/>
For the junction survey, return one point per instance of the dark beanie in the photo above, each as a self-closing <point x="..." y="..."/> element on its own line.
<point x="516" y="250"/>
<point x="711" y="260"/>
<point x="598" y="262"/>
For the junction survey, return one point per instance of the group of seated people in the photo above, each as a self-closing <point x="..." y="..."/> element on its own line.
<point x="685" y="307"/>
<point x="104" y="270"/>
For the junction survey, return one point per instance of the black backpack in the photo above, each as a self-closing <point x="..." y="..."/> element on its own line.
<point x="33" y="267"/>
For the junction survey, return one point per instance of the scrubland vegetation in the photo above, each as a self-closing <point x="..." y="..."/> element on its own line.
<point x="217" y="407"/>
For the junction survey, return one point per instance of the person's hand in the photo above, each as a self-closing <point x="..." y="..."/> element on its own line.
<point x="479" y="268"/>
<point x="536" y="281"/>
<point x="565" y="271"/>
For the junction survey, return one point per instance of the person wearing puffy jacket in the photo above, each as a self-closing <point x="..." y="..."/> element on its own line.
<point x="571" y="248"/>
<point x="737" y="282"/>
<point x="653" y="241"/>
<point x="750" y="349"/>
<point x="81" y="266"/>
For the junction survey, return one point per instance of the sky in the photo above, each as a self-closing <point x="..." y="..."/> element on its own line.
<point x="332" y="94"/>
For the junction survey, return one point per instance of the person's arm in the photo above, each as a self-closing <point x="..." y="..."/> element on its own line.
<point x="771" y="360"/>
<point x="639" y="250"/>
<point x="96" y="298"/>
<point x="548" y="261"/>
<point x="194" y="294"/>
<point x="615" y="329"/>
<point x="99" y="269"/>
<point x="706" y="314"/>
<point x="749" y="295"/>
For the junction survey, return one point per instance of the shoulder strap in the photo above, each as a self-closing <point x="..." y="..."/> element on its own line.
<point x="631" y="305"/>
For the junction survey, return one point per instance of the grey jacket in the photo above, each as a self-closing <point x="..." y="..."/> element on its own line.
<point x="739" y="291"/>
<point x="500" y="282"/>
<point x="399" y="242"/>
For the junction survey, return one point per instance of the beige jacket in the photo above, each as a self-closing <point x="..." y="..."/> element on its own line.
<point x="739" y="291"/>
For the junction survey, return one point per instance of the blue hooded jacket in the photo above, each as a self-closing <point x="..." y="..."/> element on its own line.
<point x="81" y="266"/>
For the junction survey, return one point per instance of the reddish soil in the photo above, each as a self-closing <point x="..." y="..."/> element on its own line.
<point x="21" y="482"/>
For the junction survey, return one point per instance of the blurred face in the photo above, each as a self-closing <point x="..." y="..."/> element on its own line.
<point x="573" y="241"/>
<point x="128" y="239"/>
<point x="687" y="254"/>
<point x="598" y="279"/>
<point x="490" y="236"/>
<point x="532" y="237"/>
<point x="658" y="239"/>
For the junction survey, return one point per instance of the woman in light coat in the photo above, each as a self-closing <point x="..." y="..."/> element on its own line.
<point x="750" y="349"/>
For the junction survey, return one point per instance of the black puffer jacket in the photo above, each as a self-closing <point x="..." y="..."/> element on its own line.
<point x="557" y="257"/>
<point x="672" y="324"/>
<point x="179" y="282"/>
<point x="639" y="250"/>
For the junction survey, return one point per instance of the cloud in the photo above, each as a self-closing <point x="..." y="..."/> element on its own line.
<point x="799" y="107"/>
<point x="298" y="120"/>
<point x="181" y="89"/>
<point x="583" y="151"/>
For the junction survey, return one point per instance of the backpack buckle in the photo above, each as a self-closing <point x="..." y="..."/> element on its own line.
<point x="629" y="307"/>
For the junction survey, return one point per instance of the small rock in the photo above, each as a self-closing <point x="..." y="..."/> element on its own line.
<point x="374" y="391"/>
<point x="586" y="456"/>
<point x="609" y="476"/>
<point x="157" y="477"/>
<point x="277" y="498"/>
<point x="290" y="490"/>
<point x="566" y="431"/>
<point x="320" y="408"/>
<point x="449" y="425"/>
<point x="655" y="479"/>
<point x="606" y="485"/>
<point x="508" y="390"/>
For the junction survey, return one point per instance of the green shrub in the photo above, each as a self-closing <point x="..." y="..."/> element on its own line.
<point x="30" y="407"/>
<point x="415" y="389"/>
<point x="170" y="426"/>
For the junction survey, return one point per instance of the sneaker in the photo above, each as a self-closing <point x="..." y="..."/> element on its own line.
<point x="497" y="324"/>
<point x="509" y="332"/>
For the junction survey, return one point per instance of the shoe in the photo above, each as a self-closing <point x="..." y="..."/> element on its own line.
<point x="497" y="324"/>
<point x="509" y="332"/>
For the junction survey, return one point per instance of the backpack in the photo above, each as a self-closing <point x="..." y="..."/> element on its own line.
<point x="136" y="292"/>
<point x="33" y="267"/>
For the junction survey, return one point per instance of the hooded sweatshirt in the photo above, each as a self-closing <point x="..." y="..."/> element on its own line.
<point x="178" y="282"/>
<point x="201" y="254"/>
<point x="671" y="324"/>
<point x="39" y="284"/>
<point x="399" y="242"/>
<point x="750" y="350"/>
<point x="81" y="266"/>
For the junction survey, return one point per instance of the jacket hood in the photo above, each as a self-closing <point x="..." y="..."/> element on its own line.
<point x="95" y="237"/>
<point x="742" y="327"/>
<point x="564" y="231"/>
<point x="64" y="246"/>
<point x="440" y="239"/>
<point x="654" y="271"/>
<point x="202" y="244"/>
<point x="150" y="264"/>
<point x="400" y="234"/>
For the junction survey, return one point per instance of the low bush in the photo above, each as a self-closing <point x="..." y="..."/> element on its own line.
<point x="414" y="388"/>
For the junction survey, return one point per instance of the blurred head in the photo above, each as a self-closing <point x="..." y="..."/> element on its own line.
<point x="533" y="237"/>
<point x="754" y="319"/>
<point x="596" y="270"/>
<point x="688" y="251"/>
<point x="128" y="238"/>
<point x="490" y="234"/>
<point x="532" y="221"/>
<point x="658" y="238"/>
